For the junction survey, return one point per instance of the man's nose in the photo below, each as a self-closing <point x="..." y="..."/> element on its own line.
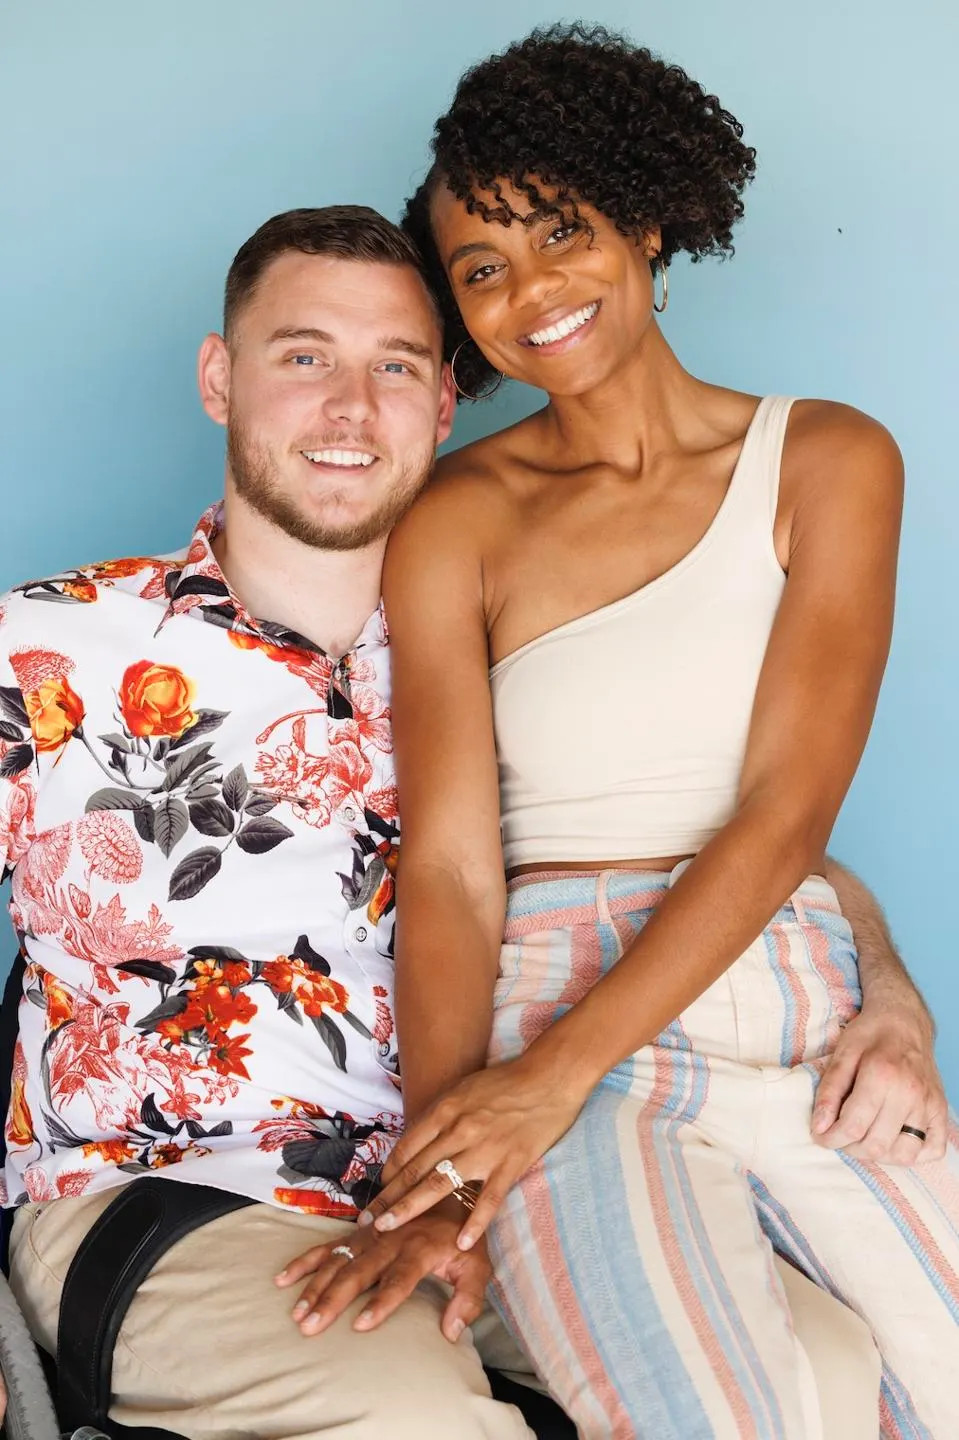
<point x="349" y="397"/>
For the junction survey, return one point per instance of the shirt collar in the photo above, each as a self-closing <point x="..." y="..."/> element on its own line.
<point x="200" y="585"/>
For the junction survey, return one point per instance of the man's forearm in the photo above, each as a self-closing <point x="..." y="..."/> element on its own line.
<point x="883" y="975"/>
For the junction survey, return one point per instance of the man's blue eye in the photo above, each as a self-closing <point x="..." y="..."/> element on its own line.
<point x="304" y="359"/>
<point x="395" y="367"/>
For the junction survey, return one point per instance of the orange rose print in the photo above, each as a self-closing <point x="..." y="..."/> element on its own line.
<point x="55" y="711"/>
<point x="244" y="641"/>
<point x="83" y="590"/>
<point x="119" y="569"/>
<point x="19" y="1127"/>
<point x="111" y="1152"/>
<point x="314" y="1202"/>
<point x="59" y="1001"/>
<point x="156" y="699"/>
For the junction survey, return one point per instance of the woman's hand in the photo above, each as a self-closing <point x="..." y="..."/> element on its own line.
<point x="493" y="1126"/>
<point x="882" y="1075"/>
<point x="395" y="1264"/>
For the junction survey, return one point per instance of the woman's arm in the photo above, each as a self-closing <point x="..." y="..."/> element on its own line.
<point x="842" y="490"/>
<point x="451" y="893"/>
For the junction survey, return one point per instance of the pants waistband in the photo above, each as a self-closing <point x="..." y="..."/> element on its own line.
<point x="554" y="899"/>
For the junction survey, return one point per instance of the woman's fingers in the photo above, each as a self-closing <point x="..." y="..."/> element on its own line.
<point x="490" y="1199"/>
<point x="419" y="1135"/>
<point x="419" y="1169"/>
<point x="419" y="1177"/>
<point x="434" y="1187"/>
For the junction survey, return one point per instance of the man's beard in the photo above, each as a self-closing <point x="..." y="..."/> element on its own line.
<point x="255" y="475"/>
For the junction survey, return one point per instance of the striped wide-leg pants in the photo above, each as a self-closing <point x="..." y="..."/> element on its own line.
<point x="634" y="1262"/>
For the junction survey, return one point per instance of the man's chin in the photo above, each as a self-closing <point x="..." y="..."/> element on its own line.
<point x="338" y="527"/>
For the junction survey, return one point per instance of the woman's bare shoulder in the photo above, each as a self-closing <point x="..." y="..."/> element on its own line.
<point x="830" y="445"/>
<point x="821" y="427"/>
<point x="460" y="512"/>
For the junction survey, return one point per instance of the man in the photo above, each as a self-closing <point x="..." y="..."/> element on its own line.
<point x="199" y="811"/>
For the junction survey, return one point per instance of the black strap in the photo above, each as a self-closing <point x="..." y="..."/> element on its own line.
<point x="146" y="1218"/>
<point x="9" y="1029"/>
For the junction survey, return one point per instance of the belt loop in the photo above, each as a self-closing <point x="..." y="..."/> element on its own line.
<point x="799" y="909"/>
<point x="602" y="897"/>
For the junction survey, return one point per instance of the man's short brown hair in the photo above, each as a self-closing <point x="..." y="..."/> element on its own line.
<point x="347" y="232"/>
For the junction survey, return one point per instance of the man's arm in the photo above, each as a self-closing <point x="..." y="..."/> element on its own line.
<point x="883" y="975"/>
<point x="882" y="1074"/>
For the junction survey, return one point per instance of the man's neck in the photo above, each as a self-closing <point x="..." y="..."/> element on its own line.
<point x="325" y="595"/>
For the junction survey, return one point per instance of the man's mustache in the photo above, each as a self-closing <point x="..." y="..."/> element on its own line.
<point x="343" y="440"/>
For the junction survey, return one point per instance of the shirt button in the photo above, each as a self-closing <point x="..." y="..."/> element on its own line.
<point x="361" y="933"/>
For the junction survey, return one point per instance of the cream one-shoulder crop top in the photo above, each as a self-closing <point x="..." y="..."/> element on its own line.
<point x="621" y="734"/>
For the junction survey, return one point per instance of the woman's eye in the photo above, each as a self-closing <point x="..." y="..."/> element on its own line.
<point x="482" y="272"/>
<point x="561" y="233"/>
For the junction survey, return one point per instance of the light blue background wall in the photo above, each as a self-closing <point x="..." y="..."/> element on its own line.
<point x="141" y="144"/>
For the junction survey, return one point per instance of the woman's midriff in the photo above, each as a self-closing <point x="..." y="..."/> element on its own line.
<point x="551" y="866"/>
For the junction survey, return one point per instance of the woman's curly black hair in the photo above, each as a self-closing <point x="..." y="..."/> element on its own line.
<point x="586" y="114"/>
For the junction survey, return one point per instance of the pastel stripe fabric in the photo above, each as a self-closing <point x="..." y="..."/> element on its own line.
<point x="634" y="1262"/>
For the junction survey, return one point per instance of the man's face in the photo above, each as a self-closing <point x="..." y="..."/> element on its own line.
<point x="334" y="396"/>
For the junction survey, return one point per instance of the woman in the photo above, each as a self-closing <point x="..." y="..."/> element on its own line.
<point x="643" y="631"/>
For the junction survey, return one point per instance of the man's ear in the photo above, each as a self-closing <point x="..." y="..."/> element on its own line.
<point x="213" y="377"/>
<point x="444" y="420"/>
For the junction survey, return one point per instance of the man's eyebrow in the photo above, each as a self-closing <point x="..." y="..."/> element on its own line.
<point x="408" y="347"/>
<point x="300" y="332"/>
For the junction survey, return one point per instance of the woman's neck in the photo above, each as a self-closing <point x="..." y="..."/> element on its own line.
<point x="649" y="405"/>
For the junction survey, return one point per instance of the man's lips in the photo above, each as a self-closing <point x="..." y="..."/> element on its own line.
<point x="340" y="457"/>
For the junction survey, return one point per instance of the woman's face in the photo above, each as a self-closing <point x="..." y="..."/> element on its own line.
<point x="547" y="301"/>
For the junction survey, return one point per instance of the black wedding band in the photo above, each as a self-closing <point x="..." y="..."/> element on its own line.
<point x="912" y="1130"/>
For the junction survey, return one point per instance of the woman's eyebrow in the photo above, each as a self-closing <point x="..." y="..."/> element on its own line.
<point x="475" y="247"/>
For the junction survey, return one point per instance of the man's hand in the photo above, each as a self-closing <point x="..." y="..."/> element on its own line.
<point x="881" y="1076"/>
<point x="395" y="1263"/>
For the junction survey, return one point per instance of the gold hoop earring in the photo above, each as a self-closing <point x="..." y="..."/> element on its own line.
<point x="458" y="387"/>
<point x="664" y="271"/>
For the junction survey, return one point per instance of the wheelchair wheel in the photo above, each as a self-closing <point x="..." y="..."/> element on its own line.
<point x="30" y="1414"/>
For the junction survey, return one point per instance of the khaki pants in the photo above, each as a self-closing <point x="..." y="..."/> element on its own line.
<point x="208" y="1347"/>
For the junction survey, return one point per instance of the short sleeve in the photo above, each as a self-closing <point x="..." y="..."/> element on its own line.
<point x="18" y="761"/>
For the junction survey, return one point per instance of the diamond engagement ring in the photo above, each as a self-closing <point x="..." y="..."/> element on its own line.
<point x="343" y="1250"/>
<point x="447" y="1168"/>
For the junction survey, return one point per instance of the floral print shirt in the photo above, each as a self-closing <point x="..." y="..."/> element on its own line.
<point x="198" y="810"/>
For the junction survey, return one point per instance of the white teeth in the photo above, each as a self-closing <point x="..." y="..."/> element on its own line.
<point x="564" y="327"/>
<point x="340" y="457"/>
